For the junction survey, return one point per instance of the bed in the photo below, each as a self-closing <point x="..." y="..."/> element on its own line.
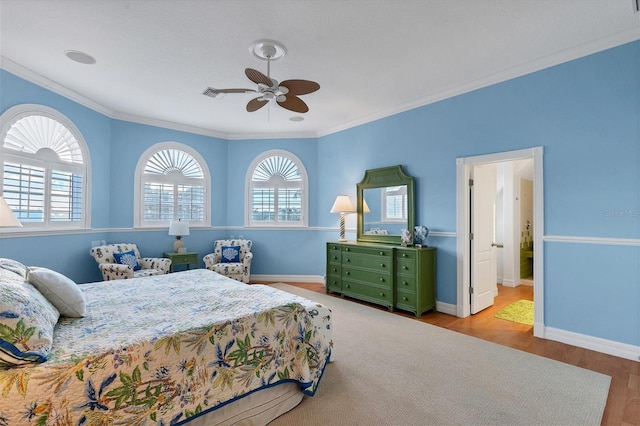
<point x="191" y="347"/>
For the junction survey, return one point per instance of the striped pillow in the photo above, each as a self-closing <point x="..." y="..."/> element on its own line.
<point x="27" y="321"/>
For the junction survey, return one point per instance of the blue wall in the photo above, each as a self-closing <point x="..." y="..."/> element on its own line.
<point x="584" y="113"/>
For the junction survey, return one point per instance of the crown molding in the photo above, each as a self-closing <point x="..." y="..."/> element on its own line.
<point x="614" y="40"/>
<point x="35" y="78"/>
<point x="611" y="41"/>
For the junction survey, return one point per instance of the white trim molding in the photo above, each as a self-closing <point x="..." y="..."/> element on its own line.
<point x="610" y="347"/>
<point x="592" y="240"/>
<point x="463" y="170"/>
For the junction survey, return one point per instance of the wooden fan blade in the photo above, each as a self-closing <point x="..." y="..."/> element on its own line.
<point x="294" y="103"/>
<point x="256" y="104"/>
<point x="257" y="77"/>
<point x="300" y="87"/>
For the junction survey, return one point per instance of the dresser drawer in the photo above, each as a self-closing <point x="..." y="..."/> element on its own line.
<point x="368" y="292"/>
<point x="406" y="267"/>
<point x="334" y="269"/>
<point x="406" y="254"/>
<point x="334" y="283"/>
<point x="379" y="263"/>
<point x="374" y="277"/>
<point x="406" y="301"/>
<point x="371" y="251"/>
<point x="406" y="283"/>
<point x="334" y="256"/>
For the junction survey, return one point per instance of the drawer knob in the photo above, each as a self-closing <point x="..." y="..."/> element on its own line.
<point x="381" y="253"/>
<point x="381" y="279"/>
<point x="405" y="267"/>
<point x="382" y="265"/>
<point x="348" y="273"/>
<point x="405" y="283"/>
<point x="404" y="254"/>
<point x="335" y="269"/>
<point x="347" y="285"/>
<point x="382" y="294"/>
<point x="348" y="260"/>
<point x="346" y="249"/>
<point x="404" y="298"/>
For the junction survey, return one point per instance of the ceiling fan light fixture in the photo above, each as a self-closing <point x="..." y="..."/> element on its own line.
<point x="281" y="98"/>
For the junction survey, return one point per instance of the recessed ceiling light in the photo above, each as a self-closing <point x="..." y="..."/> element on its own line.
<point x="80" y="57"/>
<point x="297" y="118"/>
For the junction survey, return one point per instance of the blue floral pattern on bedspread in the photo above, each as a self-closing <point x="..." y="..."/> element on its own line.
<point x="147" y="354"/>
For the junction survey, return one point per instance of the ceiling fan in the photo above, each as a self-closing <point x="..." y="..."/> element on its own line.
<point x="284" y="93"/>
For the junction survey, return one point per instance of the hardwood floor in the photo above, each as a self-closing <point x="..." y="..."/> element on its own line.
<point x="623" y="403"/>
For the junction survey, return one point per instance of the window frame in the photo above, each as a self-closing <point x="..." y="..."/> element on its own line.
<point x="139" y="221"/>
<point x="398" y="192"/>
<point x="249" y="186"/>
<point x="45" y="160"/>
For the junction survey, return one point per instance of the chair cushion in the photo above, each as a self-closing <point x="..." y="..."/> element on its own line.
<point x="127" y="258"/>
<point x="230" y="254"/>
<point x="61" y="291"/>
<point x="228" y="269"/>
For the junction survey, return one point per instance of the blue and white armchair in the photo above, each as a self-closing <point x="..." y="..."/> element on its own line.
<point x="231" y="258"/>
<point x="129" y="263"/>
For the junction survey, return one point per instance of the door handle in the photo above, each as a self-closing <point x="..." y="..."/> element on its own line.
<point x="499" y="245"/>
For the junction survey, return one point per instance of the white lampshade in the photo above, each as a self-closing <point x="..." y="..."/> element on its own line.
<point x="178" y="228"/>
<point x="365" y="207"/>
<point x="342" y="205"/>
<point x="7" y="218"/>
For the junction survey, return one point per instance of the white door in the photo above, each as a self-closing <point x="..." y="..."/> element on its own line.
<point x="483" y="252"/>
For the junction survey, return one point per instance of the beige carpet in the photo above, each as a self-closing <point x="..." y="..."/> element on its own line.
<point x="392" y="370"/>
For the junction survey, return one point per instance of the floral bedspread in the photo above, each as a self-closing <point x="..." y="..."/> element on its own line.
<point x="158" y="350"/>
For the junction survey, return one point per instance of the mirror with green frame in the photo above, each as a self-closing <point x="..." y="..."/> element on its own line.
<point x="385" y="205"/>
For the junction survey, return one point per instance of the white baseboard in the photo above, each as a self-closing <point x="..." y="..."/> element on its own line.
<point x="288" y="278"/>
<point x="597" y="344"/>
<point x="446" y="308"/>
<point x="509" y="283"/>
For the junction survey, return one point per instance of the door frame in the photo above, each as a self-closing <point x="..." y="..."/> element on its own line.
<point x="463" y="216"/>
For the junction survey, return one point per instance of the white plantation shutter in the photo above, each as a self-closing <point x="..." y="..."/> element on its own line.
<point x="44" y="168"/>
<point x="174" y="186"/>
<point x="277" y="190"/>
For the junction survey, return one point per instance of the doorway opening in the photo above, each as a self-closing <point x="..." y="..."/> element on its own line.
<point x="477" y="248"/>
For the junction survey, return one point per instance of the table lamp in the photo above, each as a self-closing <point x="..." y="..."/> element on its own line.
<point x="342" y="205"/>
<point x="178" y="229"/>
<point x="7" y="217"/>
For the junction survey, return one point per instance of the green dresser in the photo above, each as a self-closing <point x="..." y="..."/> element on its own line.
<point x="392" y="276"/>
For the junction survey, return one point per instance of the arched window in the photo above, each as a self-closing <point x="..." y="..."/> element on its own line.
<point x="172" y="182"/>
<point x="45" y="162"/>
<point x="276" y="190"/>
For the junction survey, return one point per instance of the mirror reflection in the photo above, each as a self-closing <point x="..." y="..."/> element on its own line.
<point x="385" y="210"/>
<point x="385" y="205"/>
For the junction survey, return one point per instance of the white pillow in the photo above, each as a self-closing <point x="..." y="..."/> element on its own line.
<point x="61" y="291"/>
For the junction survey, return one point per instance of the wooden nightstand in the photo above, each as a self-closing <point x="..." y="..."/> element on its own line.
<point x="182" y="259"/>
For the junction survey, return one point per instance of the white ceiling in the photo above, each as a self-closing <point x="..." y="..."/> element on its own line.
<point x="372" y="58"/>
